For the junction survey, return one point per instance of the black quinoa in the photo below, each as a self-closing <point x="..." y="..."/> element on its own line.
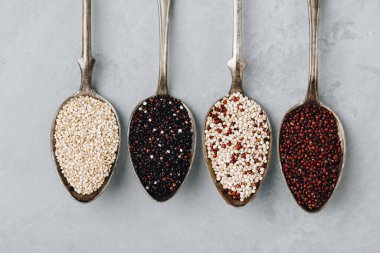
<point x="160" y="142"/>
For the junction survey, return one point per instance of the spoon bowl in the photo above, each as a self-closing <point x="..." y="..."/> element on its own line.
<point x="340" y="167"/>
<point x="80" y="197"/>
<point x="193" y="149"/>
<point x="227" y="197"/>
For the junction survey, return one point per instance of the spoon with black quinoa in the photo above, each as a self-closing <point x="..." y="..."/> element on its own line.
<point x="311" y="139"/>
<point x="162" y="131"/>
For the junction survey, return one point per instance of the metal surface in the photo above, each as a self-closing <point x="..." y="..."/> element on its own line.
<point x="312" y="95"/>
<point x="164" y="12"/>
<point x="164" y="7"/>
<point x="312" y="92"/>
<point x="237" y="66"/>
<point x="86" y="63"/>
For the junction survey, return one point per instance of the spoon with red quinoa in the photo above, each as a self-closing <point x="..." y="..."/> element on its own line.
<point x="311" y="139"/>
<point x="162" y="131"/>
<point x="237" y="134"/>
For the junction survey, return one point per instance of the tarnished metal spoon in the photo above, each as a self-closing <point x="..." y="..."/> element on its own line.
<point x="86" y="63"/>
<point x="312" y="96"/>
<point x="162" y="92"/>
<point x="237" y="66"/>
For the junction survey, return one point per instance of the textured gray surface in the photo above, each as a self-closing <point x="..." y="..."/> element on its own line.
<point x="40" y="41"/>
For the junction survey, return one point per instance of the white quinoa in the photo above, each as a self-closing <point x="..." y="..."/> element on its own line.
<point x="86" y="142"/>
<point x="237" y="138"/>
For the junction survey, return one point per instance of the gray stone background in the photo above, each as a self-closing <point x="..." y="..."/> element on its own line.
<point x="40" y="41"/>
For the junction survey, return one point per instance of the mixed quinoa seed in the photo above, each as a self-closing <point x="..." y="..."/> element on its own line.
<point x="161" y="143"/>
<point x="238" y="142"/>
<point x="311" y="154"/>
<point x="86" y="140"/>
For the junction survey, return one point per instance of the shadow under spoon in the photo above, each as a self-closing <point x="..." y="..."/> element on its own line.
<point x="86" y="63"/>
<point x="237" y="66"/>
<point x="162" y="132"/>
<point x="295" y="137"/>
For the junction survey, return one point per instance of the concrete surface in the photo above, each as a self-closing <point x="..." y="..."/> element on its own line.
<point x="40" y="41"/>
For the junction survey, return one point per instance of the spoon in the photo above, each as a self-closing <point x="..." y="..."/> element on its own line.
<point x="86" y="63"/>
<point x="162" y="153"/>
<point x="312" y="98"/>
<point x="237" y="66"/>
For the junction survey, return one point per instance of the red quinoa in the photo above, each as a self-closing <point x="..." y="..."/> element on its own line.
<point x="311" y="154"/>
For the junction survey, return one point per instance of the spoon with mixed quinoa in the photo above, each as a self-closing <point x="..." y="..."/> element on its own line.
<point x="237" y="134"/>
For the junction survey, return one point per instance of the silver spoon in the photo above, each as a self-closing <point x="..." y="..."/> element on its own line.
<point x="161" y="94"/>
<point x="86" y="63"/>
<point x="237" y="66"/>
<point x="312" y="96"/>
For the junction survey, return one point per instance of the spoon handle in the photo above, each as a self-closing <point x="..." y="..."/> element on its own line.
<point x="86" y="62"/>
<point x="237" y="64"/>
<point x="164" y="12"/>
<point x="312" y="92"/>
